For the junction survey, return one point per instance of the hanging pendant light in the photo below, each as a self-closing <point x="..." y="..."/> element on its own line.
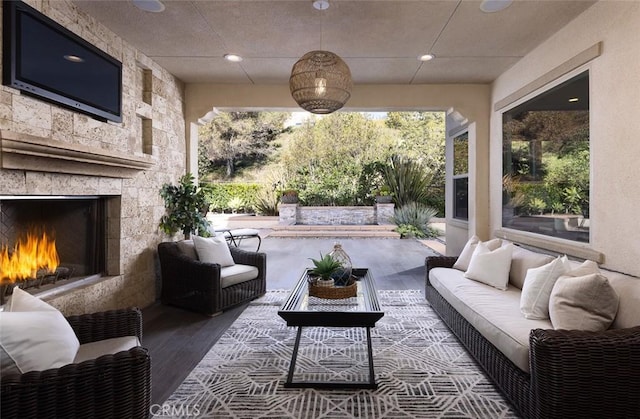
<point x="320" y="82"/>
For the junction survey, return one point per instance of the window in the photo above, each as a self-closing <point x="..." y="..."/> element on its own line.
<point x="546" y="162"/>
<point x="461" y="176"/>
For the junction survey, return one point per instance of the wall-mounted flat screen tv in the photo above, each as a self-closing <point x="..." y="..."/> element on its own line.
<point x="43" y="59"/>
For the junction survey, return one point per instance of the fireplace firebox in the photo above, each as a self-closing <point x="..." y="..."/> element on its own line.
<point x="76" y="225"/>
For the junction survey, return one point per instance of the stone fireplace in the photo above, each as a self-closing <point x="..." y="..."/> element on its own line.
<point x="47" y="151"/>
<point x="75" y="197"/>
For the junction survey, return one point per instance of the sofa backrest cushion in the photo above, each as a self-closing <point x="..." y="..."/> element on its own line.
<point x="462" y="263"/>
<point x="538" y="284"/>
<point x="628" y="289"/>
<point x="490" y="267"/>
<point x="521" y="261"/>
<point x="586" y="302"/>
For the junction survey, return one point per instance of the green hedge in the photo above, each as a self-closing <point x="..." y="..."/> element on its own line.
<point x="231" y="197"/>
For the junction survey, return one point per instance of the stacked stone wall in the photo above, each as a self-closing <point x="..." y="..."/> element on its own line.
<point x="152" y="129"/>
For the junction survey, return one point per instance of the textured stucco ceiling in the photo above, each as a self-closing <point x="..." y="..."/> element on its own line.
<point x="379" y="40"/>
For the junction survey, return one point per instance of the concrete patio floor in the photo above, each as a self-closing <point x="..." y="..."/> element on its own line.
<point x="395" y="263"/>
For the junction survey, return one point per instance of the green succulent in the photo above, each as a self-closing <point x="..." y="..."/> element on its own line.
<point x="325" y="266"/>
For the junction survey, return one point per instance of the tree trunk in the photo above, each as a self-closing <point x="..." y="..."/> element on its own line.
<point x="230" y="167"/>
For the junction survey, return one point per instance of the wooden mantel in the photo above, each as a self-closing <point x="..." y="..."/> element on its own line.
<point x="28" y="152"/>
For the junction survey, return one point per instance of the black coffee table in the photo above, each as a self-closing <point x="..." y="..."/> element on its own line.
<point x="302" y="310"/>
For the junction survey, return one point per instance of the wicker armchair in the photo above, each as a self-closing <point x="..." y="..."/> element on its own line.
<point x="111" y="386"/>
<point x="574" y="374"/>
<point x="193" y="285"/>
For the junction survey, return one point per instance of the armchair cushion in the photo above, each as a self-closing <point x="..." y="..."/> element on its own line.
<point x="94" y="350"/>
<point x="213" y="250"/>
<point x="236" y="274"/>
<point x="34" y="336"/>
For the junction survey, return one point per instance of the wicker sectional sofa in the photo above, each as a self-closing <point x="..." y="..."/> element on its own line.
<point x="570" y="373"/>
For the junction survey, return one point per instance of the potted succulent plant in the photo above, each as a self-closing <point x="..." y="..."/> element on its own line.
<point x="324" y="268"/>
<point x="289" y="196"/>
<point x="384" y="195"/>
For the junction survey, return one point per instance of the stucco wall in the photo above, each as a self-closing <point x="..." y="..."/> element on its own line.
<point x="141" y="205"/>
<point x="615" y="149"/>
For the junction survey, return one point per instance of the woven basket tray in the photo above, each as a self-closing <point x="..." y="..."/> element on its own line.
<point x="333" y="292"/>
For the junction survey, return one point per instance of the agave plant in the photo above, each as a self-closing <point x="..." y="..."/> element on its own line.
<point x="325" y="266"/>
<point x="416" y="215"/>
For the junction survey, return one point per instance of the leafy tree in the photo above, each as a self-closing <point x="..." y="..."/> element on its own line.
<point x="326" y="157"/>
<point x="422" y="139"/>
<point x="239" y="139"/>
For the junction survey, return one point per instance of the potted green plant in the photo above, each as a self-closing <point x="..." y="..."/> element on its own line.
<point x="384" y="195"/>
<point x="186" y="207"/>
<point x="289" y="196"/>
<point x="324" y="268"/>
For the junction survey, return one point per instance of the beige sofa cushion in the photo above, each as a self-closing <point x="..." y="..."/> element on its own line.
<point x="586" y="302"/>
<point x="490" y="267"/>
<point x="462" y="263"/>
<point x="628" y="289"/>
<point x="521" y="261"/>
<point x="232" y="275"/>
<point x="538" y="284"/>
<point x="494" y="313"/>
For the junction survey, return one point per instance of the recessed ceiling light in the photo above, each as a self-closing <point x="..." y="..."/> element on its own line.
<point x="73" y="58"/>
<point x="234" y="58"/>
<point x="491" y="6"/>
<point x="573" y="99"/>
<point x="154" y="6"/>
<point x="427" y="57"/>
<point x="321" y="4"/>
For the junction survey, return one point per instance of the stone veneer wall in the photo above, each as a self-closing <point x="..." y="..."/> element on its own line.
<point x="152" y="130"/>
<point x="359" y="215"/>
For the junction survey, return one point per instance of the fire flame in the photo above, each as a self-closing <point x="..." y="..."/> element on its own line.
<point x="31" y="254"/>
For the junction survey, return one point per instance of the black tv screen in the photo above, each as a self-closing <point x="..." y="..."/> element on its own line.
<point x="44" y="59"/>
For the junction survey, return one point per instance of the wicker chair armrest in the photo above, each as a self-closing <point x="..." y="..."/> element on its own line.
<point x="438" y="262"/>
<point x="588" y="374"/>
<point x="107" y="324"/>
<point x="116" y="386"/>
<point x="195" y="274"/>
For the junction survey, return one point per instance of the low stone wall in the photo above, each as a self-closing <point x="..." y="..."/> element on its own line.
<point x="296" y="214"/>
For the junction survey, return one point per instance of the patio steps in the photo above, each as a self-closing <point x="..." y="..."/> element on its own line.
<point x="355" y="231"/>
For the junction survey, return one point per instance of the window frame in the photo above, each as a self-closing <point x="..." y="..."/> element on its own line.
<point x="511" y="233"/>
<point x="455" y="177"/>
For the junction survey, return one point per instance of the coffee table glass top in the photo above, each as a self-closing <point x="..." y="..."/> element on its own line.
<point x="363" y="310"/>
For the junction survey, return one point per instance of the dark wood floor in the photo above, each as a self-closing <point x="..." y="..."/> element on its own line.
<point x="178" y="339"/>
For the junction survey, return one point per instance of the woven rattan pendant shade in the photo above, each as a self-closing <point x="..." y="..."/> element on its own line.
<point x="320" y="82"/>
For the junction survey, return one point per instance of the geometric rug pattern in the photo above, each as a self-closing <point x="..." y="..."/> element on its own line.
<point x="422" y="371"/>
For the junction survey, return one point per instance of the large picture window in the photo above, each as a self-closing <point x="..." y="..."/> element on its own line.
<point x="546" y="162"/>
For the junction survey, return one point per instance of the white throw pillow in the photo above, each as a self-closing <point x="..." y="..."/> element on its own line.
<point x="462" y="263"/>
<point x="34" y="336"/>
<point x="213" y="250"/>
<point x="538" y="284"/>
<point x="490" y="267"/>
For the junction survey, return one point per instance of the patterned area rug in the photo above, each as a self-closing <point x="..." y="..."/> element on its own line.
<point x="421" y="369"/>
